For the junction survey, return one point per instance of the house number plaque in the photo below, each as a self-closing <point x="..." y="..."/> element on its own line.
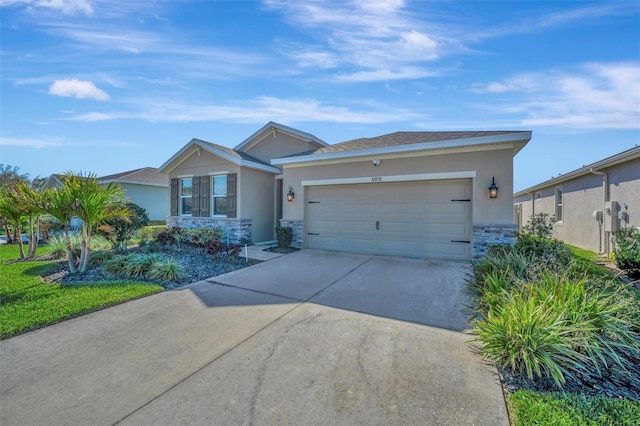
<point x="376" y="179"/>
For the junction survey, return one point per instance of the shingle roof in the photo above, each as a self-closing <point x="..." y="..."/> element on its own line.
<point x="148" y="175"/>
<point x="404" y="138"/>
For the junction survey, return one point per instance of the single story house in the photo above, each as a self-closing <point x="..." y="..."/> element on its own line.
<point x="145" y="187"/>
<point x="417" y="194"/>
<point x="589" y="203"/>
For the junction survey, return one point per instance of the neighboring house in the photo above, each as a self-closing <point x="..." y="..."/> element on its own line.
<point x="590" y="203"/>
<point x="418" y="194"/>
<point x="144" y="187"/>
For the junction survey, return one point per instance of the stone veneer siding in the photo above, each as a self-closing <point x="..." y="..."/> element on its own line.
<point x="239" y="230"/>
<point x="485" y="235"/>
<point x="296" y="225"/>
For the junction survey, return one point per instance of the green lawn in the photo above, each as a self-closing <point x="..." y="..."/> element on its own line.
<point x="26" y="302"/>
<point x="565" y="409"/>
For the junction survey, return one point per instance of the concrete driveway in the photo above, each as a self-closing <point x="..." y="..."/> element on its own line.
<point x="313" y="337"/>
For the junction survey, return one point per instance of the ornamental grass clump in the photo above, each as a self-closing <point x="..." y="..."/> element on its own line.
<point x="542" y="315"/>
<point x="167" y="270"/>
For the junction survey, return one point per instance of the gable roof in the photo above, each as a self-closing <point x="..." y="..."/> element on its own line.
<point x="231" y="155"/>
<point x="410" y="141"/>
<point x="142" y="176"/>
<point x="277" y="126"/>
<point x="622" y="157"/>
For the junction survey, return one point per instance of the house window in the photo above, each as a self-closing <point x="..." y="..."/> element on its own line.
<point x="559" y="204"/>
<point x="186" y="191"/>
<point x="219" y="195"/>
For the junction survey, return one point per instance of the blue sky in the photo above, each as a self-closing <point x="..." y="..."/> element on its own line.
<point x="113" y="85"/>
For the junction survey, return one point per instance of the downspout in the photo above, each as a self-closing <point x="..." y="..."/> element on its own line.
<point x="605" y="198"/>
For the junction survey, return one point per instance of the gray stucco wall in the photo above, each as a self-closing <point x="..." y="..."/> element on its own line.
<point x="152" y="198"/>
<point x="583" y="195"/>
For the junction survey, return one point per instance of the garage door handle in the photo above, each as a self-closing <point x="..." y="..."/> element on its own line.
<point x="461" y="241"/>
<point x="464" y="199"/>
<point x="312" y="233"/>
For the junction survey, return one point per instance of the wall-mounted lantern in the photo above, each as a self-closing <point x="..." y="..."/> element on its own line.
<point x="493" y="189"/>
<point x="290" y="194"/>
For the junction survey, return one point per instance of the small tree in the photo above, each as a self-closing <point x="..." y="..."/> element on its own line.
<point x="60" y="204"/>
<point x="119" y="230"/>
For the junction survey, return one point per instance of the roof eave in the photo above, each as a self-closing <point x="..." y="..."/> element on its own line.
<point x="166" y="167"/>
<point x="622" y="157"/>
<point x="282" y="128"/>
<point x="510" y="138"/>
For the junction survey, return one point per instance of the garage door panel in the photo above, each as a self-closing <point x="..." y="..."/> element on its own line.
<point x="416" y="219"/>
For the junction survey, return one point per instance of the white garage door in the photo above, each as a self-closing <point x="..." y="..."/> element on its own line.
<point x="426" y="219"/>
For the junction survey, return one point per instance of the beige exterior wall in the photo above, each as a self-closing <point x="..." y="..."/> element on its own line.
<point x="581" y="196"/>
<point x="486" y="164"/>
<point x="152" y="198"/>
<point x="283" y="145"/>
<point x="257" y="201"/>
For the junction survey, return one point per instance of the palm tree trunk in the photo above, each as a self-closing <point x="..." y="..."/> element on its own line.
<point x="71" y="254"/>
<point x="18" y="231"/>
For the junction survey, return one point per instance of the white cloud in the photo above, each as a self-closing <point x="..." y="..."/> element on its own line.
<point x="257" y="110"/>
<point x="367" y="37"/>
<point x="594" y="96"/>
<point x="29" y="143"/>
<point x="79" y="89"/>
<point x="68" y="7"/>
<point x="385" y="75"/>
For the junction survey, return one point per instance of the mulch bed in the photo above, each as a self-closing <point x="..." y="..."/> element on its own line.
<point x="196" y="264"/>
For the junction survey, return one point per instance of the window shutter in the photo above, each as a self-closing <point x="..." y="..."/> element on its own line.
<point x="232" y="194"/>
<point x="173" y="196"/>
<point x="195" y="196"/>
<point x="205" y="196"/>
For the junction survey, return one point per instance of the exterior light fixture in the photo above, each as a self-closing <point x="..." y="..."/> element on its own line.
<point x="290" y="194"/>
<point x="493" y="189"/>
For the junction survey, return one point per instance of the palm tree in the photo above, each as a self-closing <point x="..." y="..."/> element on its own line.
<point x="30" y="202"/>
<point x="93" y="203"/>
<point x="12" y="213"/>
<point x="59" y="203"/>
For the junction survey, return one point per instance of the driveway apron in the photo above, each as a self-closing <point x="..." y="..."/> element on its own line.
<point x="313" y="337"/>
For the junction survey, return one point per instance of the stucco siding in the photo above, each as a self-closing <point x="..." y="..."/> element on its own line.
<point x="257" y="202"/>
<point x="581" y="197"/>
<point x="283" y="145"/>
<point x="152" y="198"/>
<point x="486" y="164"/>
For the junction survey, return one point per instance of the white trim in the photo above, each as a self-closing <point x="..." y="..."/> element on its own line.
<point x="184" y="176"/>
<point x="395" y="178"/>
<point x="133" y="182"/>
<point x="165" y="168"/>
<point x="226" y="172"/>
<point x="243" y="146"/>
<point x="426" y="146"/>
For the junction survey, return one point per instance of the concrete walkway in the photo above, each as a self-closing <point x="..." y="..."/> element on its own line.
<point x="289" y="341"/>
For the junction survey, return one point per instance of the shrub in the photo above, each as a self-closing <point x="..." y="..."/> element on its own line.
<point x="540" y="225"/>
<point x="150" y="233"/>
<point x="166" y="271"/>
<point x="217" y="249"/>
<point x="627" y="252"/>
<point x="100" y="256"/>
<point x="119" y="230"/>
<point x="284" y="235"/>
<point x="199" y="235"/>
<point x="544" y="252"/>
<point x="169" y="236"/>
